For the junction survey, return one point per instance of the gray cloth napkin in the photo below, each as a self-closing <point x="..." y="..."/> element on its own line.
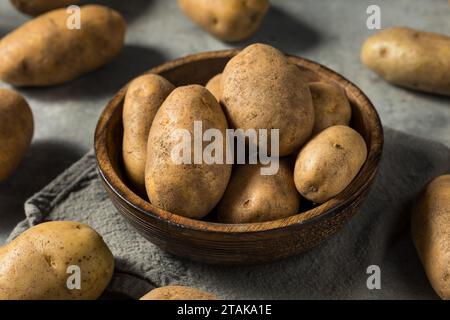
<point x="378" y="234"/>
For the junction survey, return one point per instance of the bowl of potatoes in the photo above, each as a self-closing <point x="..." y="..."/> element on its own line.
<point x="329" y="144"/>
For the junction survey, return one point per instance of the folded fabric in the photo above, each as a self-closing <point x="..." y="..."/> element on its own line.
<point x="379" y="234"/>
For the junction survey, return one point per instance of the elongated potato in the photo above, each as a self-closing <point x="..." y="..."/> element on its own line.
<point x="430" y="226"/>
<point x="262" y="89"/>
<point x="253" y="197"/>
<point x="39" y="263"/>
<point x="178" y="293"/>
<point x="214" y="86"/>
<point x="45" y="52"/>
<point x="410" y="58"/>
<point x="329" y="162"/>
<point x="144" y="96"/>
<point x="228" y="20"/>
<point x="16" y="131"/>
<point x="36" y="7"/>
<point x="331" y="106"/>
<point x="188" y="187"/>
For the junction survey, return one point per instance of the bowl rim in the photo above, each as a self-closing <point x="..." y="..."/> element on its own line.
<point x="325" y="210"/>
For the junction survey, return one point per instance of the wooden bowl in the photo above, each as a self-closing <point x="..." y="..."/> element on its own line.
<point x="235" y="244"/>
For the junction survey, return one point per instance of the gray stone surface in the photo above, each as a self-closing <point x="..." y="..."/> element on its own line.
<point x="328" y="31"/>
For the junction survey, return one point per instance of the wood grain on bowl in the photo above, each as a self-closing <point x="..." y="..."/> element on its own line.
<point x="236" y="244"/>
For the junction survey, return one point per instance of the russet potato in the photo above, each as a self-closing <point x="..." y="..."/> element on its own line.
<point x="228" y="20"/>
<point x="262" y="89"/>
<point x="331" y="106"/>
<point x="187" y="189"/>
<point x="16" y="131"/>
<point x="430" y="228"/>
<point x="144" y="96"/>
<point x="214" y="86"/>
<point x="410" y="58"/>
<point x="44" y="51"/>
<point x="327" y="164"/>
<point x="178" y="293"/>
<point x="35" y="265"/>
<point x="253" y="197"/>
<point x="36" y="7"/>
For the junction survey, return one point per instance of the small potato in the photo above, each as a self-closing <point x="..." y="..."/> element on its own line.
<point x="188" y="188"/>
<point x="430" y="227"/>
<point x="228" y="20"/>
<point x="214" y="86"/>
<point x="253" y="197"/>
<point x="16" y="131"/>
<point x="178" y="293"/>
<point x="36" y="7"/>
<point x="262" y="89"/>
<point x="144" y="96"/>
<point x="410" y="58"/>
<point x="38" y="263"/>
<point x="329" y="162"/>
<point x="331" y="106"/>
<point x="45" y="52"/>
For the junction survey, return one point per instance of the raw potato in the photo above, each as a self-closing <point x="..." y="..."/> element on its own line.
<point x="16" y="131"/>
<point x="45" y="52"/>
<point x="214" y="86"/>
<point x="178" y="293"/>
<point x="410" y="58"/>
<point x="331" y="106"/>
<point x="34" y="266"/>
<point x="228" y="20"/>
<point x="430" y="226"/>
<point x="252" y="197"/>
<point x="329" y="162"/>
<point x="144" y="96"/>
<point x="190" y="190"/>
<point x="262" y="89"/>
<point x="36" y="7"/>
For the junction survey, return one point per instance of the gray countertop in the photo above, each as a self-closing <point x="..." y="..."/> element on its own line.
<point x="328" y="31"/>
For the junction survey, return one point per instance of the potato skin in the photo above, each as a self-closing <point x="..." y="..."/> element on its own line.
<point x="144" y="96"/>
<point x="430" y="228"/>
<point x="34" y="265"/>
<point x="178" y="293"/>
<point x="331" y="106"/>
<point x="214" y="86"/>
<point x="228" y="20"/>
<point x="271" y="88"/>
<point x="252" y="197"/>
<point x="36" y="7"/>
<point x="328" y="163"/>
<point x="45" y="52"/>
<point x="16" y="131"/>
<point x="190" y="190"/>
<point x="410" y="58"/>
